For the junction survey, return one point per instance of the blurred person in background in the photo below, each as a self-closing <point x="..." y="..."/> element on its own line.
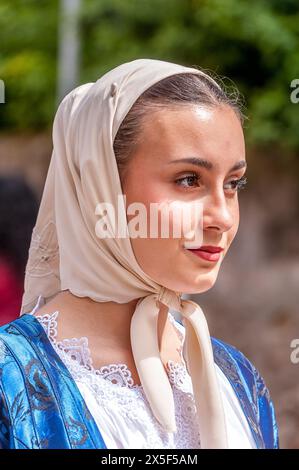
<point x="18" y="211"/>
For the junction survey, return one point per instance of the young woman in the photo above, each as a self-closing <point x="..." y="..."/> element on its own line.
<point x="96" y="360"/>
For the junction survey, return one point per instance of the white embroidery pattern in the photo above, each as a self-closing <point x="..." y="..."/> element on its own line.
<point x="113" y="388"/>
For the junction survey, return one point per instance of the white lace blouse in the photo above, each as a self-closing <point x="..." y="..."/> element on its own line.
<point x="120" y="408"/>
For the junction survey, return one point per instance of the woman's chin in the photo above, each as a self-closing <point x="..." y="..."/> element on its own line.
<point x="202" y="284"/>
<point x="199" y="289"/>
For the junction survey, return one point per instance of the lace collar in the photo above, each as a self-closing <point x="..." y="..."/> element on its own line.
<point x="77" y="351"/>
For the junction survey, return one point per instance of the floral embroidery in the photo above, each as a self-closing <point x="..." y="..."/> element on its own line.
<point x="39" y="394"/>
<point x="43" y="256"/>
<point x="77" y="432"/>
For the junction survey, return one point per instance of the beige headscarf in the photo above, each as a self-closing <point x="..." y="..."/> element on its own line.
<point x="65" y="252"/>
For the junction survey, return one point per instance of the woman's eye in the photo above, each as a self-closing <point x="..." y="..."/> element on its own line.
<point x="187" y="179"/>
<point x="238" y="184"/>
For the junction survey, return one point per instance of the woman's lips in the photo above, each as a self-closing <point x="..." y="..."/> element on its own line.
<point x="206" y="254"/>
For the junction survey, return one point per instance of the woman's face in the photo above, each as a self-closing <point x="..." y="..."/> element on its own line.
<point x="212" y="134"/>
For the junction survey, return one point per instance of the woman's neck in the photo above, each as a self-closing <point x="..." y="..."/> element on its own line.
<point x="109" y="322"/>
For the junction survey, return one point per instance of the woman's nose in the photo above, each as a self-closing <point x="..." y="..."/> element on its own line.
<point x="218" y="214"/>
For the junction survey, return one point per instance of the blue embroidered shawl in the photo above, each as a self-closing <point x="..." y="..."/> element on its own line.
<point x="42" y="407"/>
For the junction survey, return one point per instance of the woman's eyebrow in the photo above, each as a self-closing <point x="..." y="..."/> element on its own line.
<point x="207" y="164"/>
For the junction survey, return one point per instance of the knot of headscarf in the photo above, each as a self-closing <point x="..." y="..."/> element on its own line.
<point x="198" y="356"/>
<point x="66" y="253"/>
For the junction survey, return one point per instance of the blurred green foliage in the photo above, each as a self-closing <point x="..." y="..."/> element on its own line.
<point x="28" y="51"/>
<point x="252" y="44"/>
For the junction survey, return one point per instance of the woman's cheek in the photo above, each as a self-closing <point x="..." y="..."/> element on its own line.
<point x="184" y="220"/>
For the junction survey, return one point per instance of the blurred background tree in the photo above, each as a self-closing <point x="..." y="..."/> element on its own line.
<point x="255" y="44"/>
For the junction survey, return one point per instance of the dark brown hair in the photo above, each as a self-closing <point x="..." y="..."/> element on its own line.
<point x="183" y="89"/>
